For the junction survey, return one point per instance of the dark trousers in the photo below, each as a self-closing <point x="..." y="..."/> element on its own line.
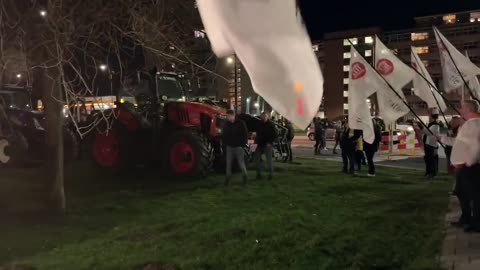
<point x="371" y="166"/>
<point x="289" y="150"/>
<point x="431" y="161"/>
<point x="318" y="145"/>
<point x="468" y="193"/>
<point x="360" y="159"/>
<point x="348" y="158"/>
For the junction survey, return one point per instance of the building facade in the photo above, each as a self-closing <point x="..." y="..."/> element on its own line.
<point x="462" y="29"/>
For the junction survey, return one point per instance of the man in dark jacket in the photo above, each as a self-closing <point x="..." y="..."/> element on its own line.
<point x="348" y="143"/>
<point x="235" y="137"/>
<point x="319" y="135"/>
<point x="290" y="136"/>
<point x="266" y="136"/>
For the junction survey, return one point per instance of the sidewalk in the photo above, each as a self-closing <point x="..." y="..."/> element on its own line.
<point x="460" y="250"/>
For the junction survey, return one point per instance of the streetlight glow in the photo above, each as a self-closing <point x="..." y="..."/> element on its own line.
<point x="230" y="60"/>
<point x="19" y="75"/>
<point x="103" y="67"/>
<point x="43" y="13"/>
<point x="257" y="105"/>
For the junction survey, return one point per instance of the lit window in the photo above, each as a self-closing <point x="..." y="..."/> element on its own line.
<point x="346" y="81"/>
<point x="419" y="36"/>
<point x="315" y="48"/>
<point x="475" y="16"/>
<point x="425" y="63"/>
<point x="368" y="53"/>
<point x="345" y="93"/>
<point x="354" y="41"/>
<point x="421" y="50"/>
<point x="346" y="68"/>
<point x="199" y="34"/>
<point x="450" y="18"/>
<point x="347" y="55"/>
<point x="345" y="106"/>
<point x="369" y="40"/>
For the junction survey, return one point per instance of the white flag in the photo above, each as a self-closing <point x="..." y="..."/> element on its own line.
<point x="274" y="47"/>
<point x="473" y="82"/>
<point x="397" y="74"/>
<point x="424" y="89"/>
<point x="450" y="57"/>
<point x="364" y="81"/>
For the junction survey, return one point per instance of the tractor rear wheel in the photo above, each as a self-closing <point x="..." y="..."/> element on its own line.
<point x="111" y="148"/>
<point x="13" y="149"/>
<point x="187" y="154"/>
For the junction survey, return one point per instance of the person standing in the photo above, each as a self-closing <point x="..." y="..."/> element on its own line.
<point x="359" y="155"/>
<point x="466" y="159"/>
<point x="319" y="134"/>
<point x="338" y="135"/>
<point x="347" y="145"/>
<point x="430" y="142"/>
<point x="266" y="136"/>
<point x="235" y="137"/>
<point x="290" y="136"/>
<point x="371" y="149"/>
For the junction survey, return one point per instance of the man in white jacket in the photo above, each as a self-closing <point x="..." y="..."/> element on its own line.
<point x="466" y="159"/>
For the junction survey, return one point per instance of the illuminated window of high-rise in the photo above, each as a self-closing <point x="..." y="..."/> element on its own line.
<point x="419" y="36"/>
<point x="368" y="53"/>
<point x="421" y="50"/>
<point x="345" y="93"/>
<point x="315" y="48"/>
<point x="347" y="55"/>
<point x="354" y="41"/>
<point x="346" y="81"/>
<point x="425" y="63"/>
<point x="346" y="68"/>
<point x="449" y="18"/>
<point x="345" y="106"/>
<point x="199" y="34"/>
<point x="475" y="17"/>
<point x="369" y="40"/>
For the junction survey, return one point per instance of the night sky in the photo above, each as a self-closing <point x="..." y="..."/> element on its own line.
<point x="388" y="14"/>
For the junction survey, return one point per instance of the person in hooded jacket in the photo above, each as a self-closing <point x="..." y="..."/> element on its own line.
<point x="371" y="149"/>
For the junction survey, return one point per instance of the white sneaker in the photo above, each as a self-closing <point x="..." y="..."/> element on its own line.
<point x="371" y="175"/>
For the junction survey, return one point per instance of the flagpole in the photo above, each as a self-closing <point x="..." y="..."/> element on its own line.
<point x="456" y="67"/>
<point x="404" y="102"/>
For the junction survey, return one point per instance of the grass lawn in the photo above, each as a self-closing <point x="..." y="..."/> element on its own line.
<point x="312" y="217"/>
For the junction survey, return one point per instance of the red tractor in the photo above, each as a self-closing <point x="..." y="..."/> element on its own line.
<point x="154" y="125"/>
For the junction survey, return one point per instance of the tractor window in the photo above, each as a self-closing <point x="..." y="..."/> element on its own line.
<point x="16" y="100"/>
<point x="170" y="87"/>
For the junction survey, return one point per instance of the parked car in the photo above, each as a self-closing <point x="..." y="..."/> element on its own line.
<point x="329" y="133"/>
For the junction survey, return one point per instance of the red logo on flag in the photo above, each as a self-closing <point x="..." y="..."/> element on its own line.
<point x="385" y="67"/>
<point x="358" y="70"/>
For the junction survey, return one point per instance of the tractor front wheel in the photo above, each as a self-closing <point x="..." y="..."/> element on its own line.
<point x="187" y="154"/>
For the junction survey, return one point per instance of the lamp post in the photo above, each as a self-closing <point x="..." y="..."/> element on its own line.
<point x="105" y="68"/>
<point x="233" y="60"/>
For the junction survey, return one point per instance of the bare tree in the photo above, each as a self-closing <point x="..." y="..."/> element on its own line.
<point x="61" y="43"/>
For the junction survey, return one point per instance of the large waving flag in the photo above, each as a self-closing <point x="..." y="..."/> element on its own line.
<point x="473" y="82"/>
<point x="422" y="85"/>
<point x="272" y="44"/>
<point x="364" y="81"/>
<point x="397" y="74"/>
<point x="450" y="57"/>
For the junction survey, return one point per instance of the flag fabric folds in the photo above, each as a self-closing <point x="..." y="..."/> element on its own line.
<point x="452" y="59"/>
<point x="275" y="49"/>
<point x="397" y="74"/>
<point x="424" y="89"/>
<point x="364" y="81"/>
<point x="473" y="82"/>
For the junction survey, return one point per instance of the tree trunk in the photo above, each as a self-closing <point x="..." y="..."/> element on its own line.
<point x="49" y="83"/>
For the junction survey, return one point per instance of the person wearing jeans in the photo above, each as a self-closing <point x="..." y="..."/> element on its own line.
<point x="348" y="143"/>
<point x="235" y="137"/>
<point x="266" y="136"/>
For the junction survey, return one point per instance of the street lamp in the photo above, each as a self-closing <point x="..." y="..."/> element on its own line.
<point x="233" y="60"/>
<point x="43" y="13"/>
<point x="103" y="67"/>
<point x="19" y="76"/>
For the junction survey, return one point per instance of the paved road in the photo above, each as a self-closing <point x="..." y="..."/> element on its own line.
<point x="302" y="147"/>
